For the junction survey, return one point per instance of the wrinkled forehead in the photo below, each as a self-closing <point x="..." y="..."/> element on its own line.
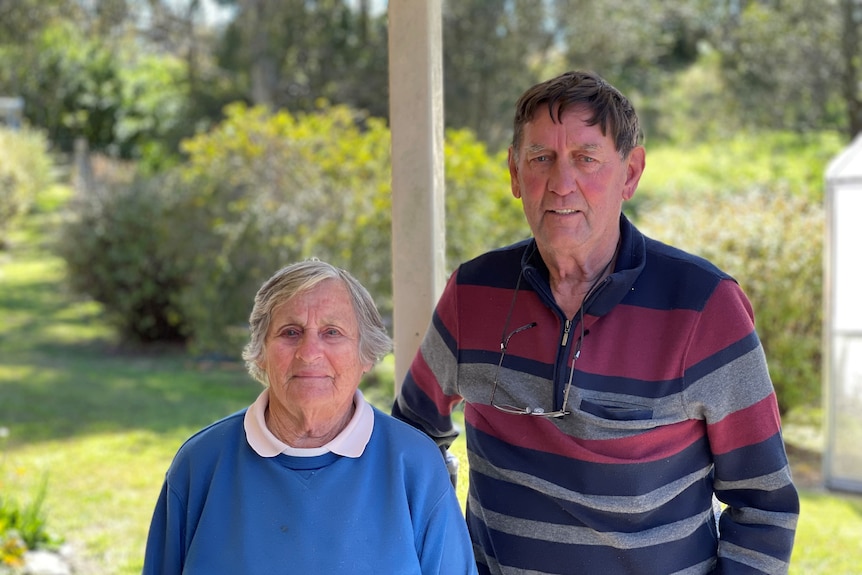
<point x="327" y="301"/>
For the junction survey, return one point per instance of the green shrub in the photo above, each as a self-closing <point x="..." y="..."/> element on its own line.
<point x="272" y="188"/>
<point x="22" y="526"/>
<point x="123" y="246"/>
<point x="25" y="522"/>
<point x="26" y="169"/>
<point x="180" y="256"/>
<point x="481" y="213"/>
<point x="771" y="241"/>
<point x="788" y="161"/>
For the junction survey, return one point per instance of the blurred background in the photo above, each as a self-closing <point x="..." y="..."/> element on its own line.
<point x="159" y="159"/>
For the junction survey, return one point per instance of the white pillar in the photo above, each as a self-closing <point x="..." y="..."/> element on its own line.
<point x="416" y="122"/>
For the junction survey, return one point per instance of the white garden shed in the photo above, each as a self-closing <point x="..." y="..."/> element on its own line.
<point x="842" y="314"/>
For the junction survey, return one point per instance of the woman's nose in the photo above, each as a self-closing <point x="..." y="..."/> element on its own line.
<point x="309" y="348"/>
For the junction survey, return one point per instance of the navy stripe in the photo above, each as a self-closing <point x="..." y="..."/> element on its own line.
<point x="505" y="261"/>
<point x="628" y="385"/>
<point x="551" y="557"/>
<point x="444" y="334"/>
<point x="747" y="462"/>
<point x="510" y="362"/>
<point x="526" y="503"/>
<point x="737" y="568"/>
<point x="587" y="477"/>
<point x="440" y="426"/>
<point x="773" y="542"/>
<point x="782" y="499"/>
<point x="673" y="279"/>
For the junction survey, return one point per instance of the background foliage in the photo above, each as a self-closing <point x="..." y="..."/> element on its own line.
<point x="260" y="137"/>
<point x="229" y="137"/>
<point x="26" y="168"/>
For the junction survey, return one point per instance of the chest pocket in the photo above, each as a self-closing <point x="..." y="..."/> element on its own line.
<point x="617" y="411"/>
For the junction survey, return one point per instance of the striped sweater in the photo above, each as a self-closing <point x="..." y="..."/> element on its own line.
<point x="672" y="411"/>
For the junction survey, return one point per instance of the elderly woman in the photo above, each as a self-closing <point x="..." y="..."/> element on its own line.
<point x="309" y="479"/>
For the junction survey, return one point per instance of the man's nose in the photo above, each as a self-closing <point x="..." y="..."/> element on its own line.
<point x="563" y="180"/>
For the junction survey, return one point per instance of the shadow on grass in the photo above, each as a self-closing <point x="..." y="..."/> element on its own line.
<point x="63" y="372"/>
<point x="60" y="391"/>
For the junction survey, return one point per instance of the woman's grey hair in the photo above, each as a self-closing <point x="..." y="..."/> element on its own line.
<point x="299" y="278"/>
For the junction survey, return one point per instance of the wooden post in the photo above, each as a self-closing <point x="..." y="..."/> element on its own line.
<point x="416" y="121"/>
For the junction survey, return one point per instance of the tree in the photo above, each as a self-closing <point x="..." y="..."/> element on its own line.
<point x="851" y="56"/>
<point x="492" y="50"/>
<point x="293" y="53"/>
<point x="787" y="66"/>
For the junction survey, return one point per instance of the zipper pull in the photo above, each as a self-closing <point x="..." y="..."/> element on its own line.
<point x="566" y="330"/>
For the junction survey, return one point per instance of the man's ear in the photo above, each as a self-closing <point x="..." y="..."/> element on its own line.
<point x="513" y="174"/>
<point x="634" y="171"/>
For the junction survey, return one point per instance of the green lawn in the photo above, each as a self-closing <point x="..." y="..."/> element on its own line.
<point x="101" y="423"/>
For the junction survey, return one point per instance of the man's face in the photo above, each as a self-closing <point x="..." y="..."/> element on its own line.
<point x="572" y="182"/>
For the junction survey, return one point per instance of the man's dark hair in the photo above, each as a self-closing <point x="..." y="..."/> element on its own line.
<point x="610" y="109"/>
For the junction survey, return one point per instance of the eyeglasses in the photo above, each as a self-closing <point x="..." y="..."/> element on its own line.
<point x="537" y="411"/>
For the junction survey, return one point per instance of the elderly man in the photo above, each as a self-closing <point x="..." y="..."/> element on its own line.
<point x="614" y="387"/>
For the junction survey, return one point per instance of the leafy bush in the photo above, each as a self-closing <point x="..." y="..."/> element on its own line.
<point x="792" y="162"/>
<point x="26" y="169"/>
<point x="272" y="188"/>
<point x="290" y="187"/>
<point x="481" y="212"/>
<point x="124" y="247"/>
<point x="771" y="241"/>
<point x="180" y="256"/>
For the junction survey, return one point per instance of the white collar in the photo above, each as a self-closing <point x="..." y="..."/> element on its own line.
<point x="350" y="442"/>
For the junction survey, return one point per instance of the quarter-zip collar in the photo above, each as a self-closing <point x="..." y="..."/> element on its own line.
<point x="631" y="260"/>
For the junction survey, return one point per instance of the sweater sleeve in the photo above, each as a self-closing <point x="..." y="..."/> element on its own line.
<point x="445" y="547"/>
<point x="164" y="553"/>
<point x="429" y="391"/>
<point x="728" y="384"/>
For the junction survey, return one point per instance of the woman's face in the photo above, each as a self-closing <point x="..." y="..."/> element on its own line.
<point x="311" y="354"/>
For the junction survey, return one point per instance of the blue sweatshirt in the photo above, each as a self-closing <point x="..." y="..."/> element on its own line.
<point x="225" y="509"/>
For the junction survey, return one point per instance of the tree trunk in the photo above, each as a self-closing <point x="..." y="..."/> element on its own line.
<point x="850" y="81"/>
<point x="262" y="66"/>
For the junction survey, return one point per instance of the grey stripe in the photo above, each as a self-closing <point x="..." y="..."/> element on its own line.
<point x="769" y="482"/>
<point x="752" y="516"/>
<point x="760" y="561"/>
<point x="730" y="388"/>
